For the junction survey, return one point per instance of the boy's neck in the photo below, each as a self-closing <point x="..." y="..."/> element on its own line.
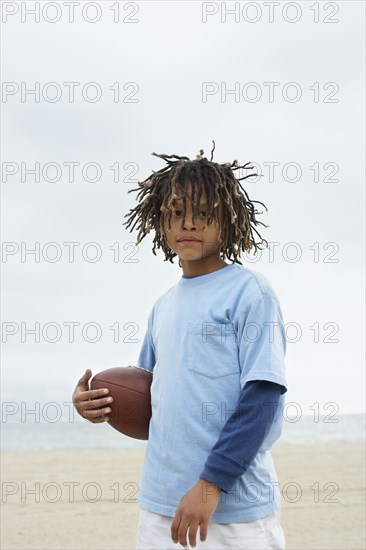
<point x="194" y="269"/>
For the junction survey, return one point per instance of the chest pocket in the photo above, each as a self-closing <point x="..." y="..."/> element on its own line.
<point x="212" y="349"/>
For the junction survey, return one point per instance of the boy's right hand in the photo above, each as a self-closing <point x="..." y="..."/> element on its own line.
<point x="86" y="401"/>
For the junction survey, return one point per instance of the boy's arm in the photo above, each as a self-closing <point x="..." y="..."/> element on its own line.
<point x="263" y="381"/>
<point x="236" y="447"/>
<point x="243" y="434"/>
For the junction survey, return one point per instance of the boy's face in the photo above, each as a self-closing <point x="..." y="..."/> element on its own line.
<point x="203" y="252"/>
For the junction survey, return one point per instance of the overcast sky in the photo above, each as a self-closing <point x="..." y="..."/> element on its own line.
<point x="174" y="72"/>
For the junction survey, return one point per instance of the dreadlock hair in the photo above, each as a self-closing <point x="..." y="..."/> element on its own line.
<point x="158" y="192"/>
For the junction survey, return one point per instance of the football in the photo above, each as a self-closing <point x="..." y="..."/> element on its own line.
<point x="131" y="406"/>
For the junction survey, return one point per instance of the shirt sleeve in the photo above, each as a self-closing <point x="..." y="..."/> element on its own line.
<point x="243" y="434"/>
<point x="147" y="357"/>
<point x="262" y="342"/>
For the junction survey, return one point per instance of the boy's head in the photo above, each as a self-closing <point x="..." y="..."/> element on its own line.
<point x="200" y="198"/>
<point x="177" y="228"/>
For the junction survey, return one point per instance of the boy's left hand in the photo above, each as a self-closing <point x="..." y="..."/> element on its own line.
<point x="195" y="510"/>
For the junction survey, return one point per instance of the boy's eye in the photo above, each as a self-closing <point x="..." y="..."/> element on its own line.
<point x="178" y="212"/>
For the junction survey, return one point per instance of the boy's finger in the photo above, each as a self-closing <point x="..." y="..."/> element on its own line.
<point x="95" y="413"/>
<point x="174" y="528"/>
<point x="104" y="419"/>
<point x="98" y="419"/>
<point x="94" y="404"/>
<point x="182" y="533"/>
<point x="192" y="533"/>
<point x="83" y="381"/>
<point x="203" y="531"/>
<point x="93" y="394"/>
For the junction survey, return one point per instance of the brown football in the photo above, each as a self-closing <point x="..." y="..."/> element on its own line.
<point x="131" y="406"/>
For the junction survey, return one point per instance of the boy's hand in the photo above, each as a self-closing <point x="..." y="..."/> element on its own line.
<point x="195" y="509"/>
<point x="85" y="402"/>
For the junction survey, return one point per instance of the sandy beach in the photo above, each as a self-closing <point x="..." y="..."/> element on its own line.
<point x="89" y="499"/>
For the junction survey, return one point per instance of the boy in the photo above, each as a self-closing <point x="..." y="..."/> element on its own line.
<point x="215" y="346"/>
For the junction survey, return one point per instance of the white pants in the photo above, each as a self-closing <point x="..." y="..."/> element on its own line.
<point x="153" y="533"/>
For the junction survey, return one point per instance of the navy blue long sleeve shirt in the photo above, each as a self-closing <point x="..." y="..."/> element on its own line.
<point x="243" y="434"/>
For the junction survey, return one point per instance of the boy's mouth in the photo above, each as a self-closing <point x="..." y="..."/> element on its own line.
<point x="188" y="239"/>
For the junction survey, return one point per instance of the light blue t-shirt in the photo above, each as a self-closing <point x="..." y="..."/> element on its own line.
<point x="206" y="337"/>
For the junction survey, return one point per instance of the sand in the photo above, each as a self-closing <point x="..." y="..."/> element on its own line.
<point x="54" y="516"/>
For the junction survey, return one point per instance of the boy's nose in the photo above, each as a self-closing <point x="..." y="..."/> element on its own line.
<point x="188" y="223"/>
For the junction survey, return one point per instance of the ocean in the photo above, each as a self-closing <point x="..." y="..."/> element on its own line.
<point x="80" y="434"/>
